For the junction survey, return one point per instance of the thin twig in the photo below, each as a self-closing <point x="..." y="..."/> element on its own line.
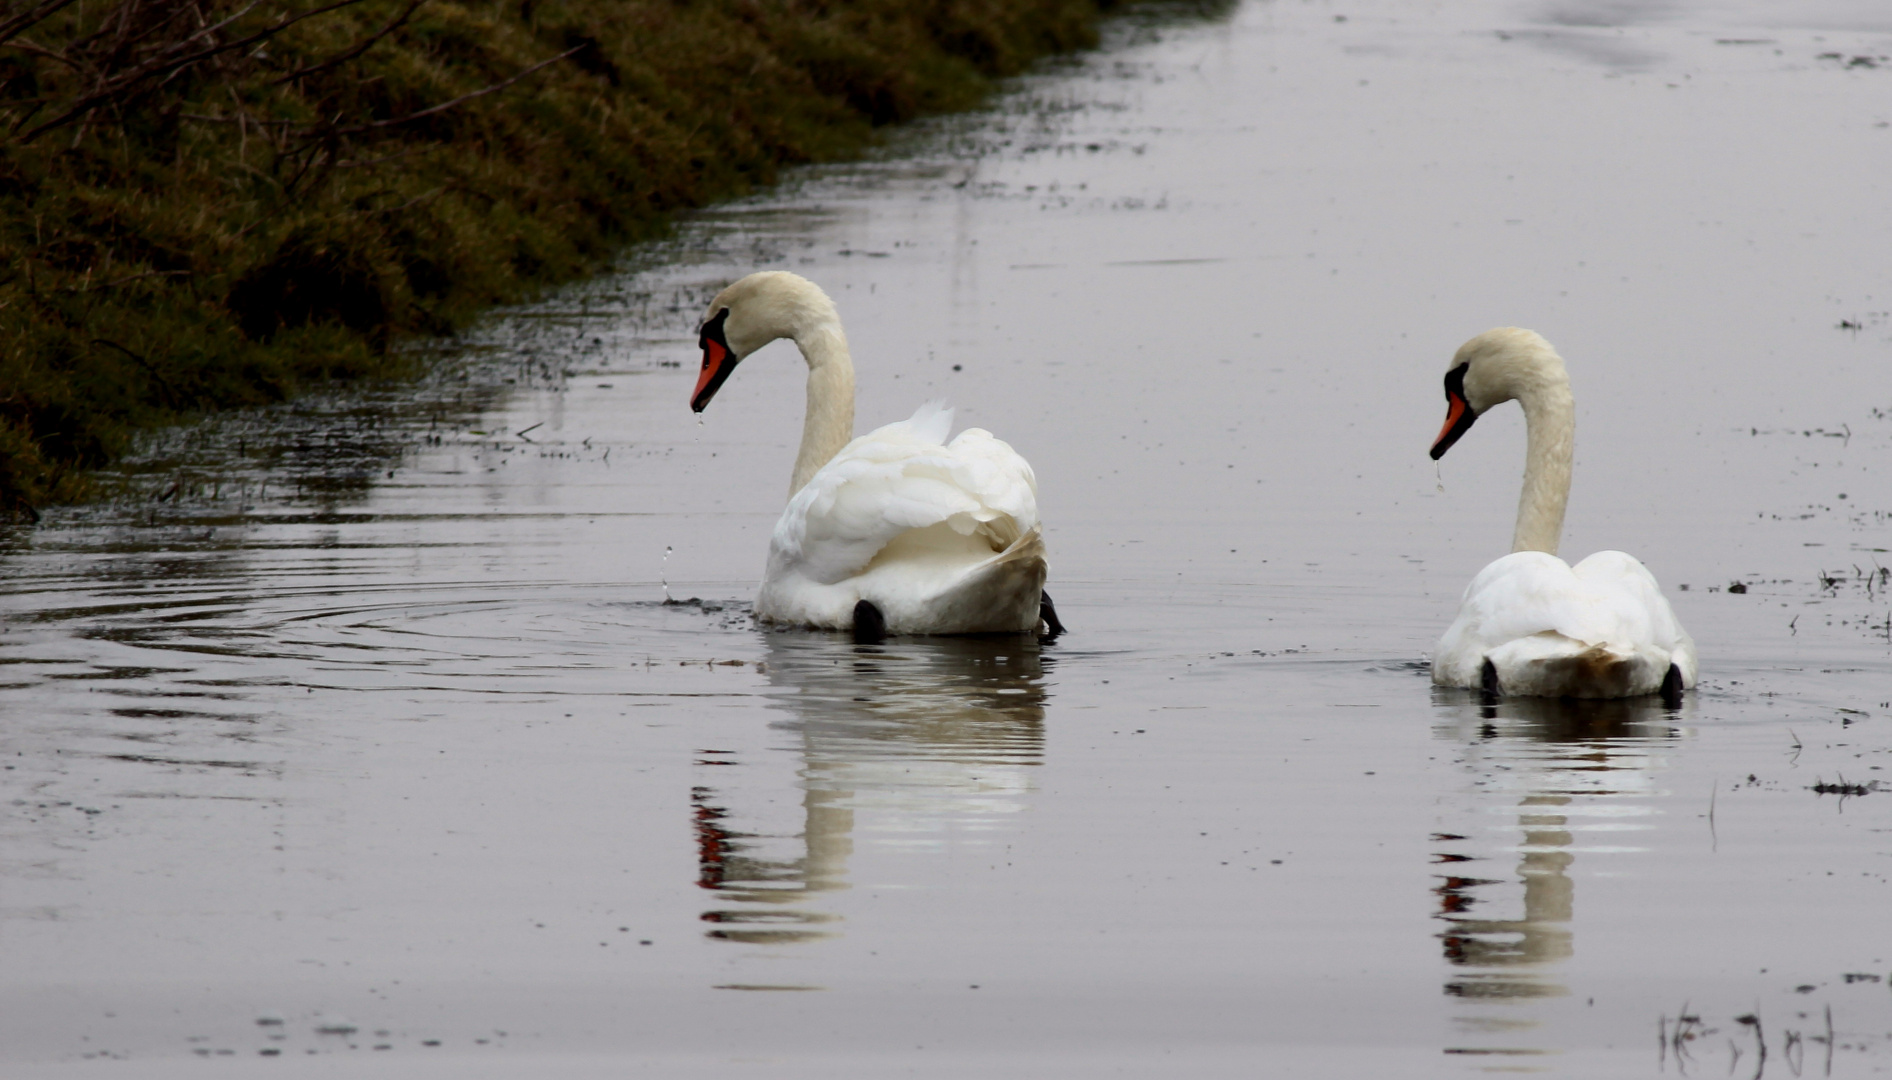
<point x="24" y="19"/>
<point x="445" y="105"/>
<point x="32" y="49"/>
<point x="1714" y="838"/>
<point x="116" y="282"/>
<point x="1829" y="1040"/>
<point x="366" y="163"/>
<point x="361" y="47"/>
<point x="239" y="118"/>
<point x="413" y="202"/>
<point x="170" y="392"/>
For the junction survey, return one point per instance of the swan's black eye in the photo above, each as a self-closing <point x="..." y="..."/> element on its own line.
<point x="1455" y="382"/>
<point x="712" y="330"/>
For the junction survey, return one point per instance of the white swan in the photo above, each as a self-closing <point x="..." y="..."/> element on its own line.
<point x="1530" y="623"/>
<point x="898" y="531"/>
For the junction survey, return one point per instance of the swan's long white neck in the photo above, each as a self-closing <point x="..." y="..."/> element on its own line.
<point x="1550" y="419"/>
<point x="1509" y="362"/>
<point x="828" y="424"/>
<point x="771" y="304"/>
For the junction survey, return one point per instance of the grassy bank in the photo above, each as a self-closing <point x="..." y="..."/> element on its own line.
<point x="214" y="203"/>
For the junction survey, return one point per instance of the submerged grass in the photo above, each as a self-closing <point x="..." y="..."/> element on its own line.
<point x="217" y="203"/>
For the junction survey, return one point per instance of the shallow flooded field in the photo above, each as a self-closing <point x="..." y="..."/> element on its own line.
<point x="427" y="733"/>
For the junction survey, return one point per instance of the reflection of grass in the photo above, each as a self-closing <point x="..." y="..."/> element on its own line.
<point x="1688" y="1042"/>
<point x="206" y="204"/>
<point x="1843" y="787"/>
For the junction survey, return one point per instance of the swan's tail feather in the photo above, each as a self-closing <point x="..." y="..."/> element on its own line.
<point x="998" y="592"/>
<point x="1551" y="665"/>
<point x="1021" y="546"/>
<point x="1597" y="672"/>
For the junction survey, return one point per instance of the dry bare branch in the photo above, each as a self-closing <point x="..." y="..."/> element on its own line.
<point x="122" y="84"/>
<point x="10" y="28"/>
<point x="360" y="47"/>
<point x="461" y="100"/>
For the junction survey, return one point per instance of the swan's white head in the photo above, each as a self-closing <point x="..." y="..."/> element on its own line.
<point x="1491" y="369"/>
<point x="750" y="314"/>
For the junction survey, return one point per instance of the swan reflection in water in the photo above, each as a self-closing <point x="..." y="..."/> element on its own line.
<point x="916" y="746"/>
<point x="1565" y="778"/>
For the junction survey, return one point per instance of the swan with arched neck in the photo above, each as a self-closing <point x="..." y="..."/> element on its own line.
<point x="1530" y="623"/>
<point x="899" y="531"/>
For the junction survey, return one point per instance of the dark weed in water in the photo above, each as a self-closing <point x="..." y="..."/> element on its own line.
<point x="1844" y="787"/>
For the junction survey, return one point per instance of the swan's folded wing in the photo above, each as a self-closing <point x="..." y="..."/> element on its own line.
<point x="1004" y="481"/>
<point x="1635" y="600"/>
<point x="1608" y="598"/>
<point x="896" y="479"/>
<point x="1516" y="596"/>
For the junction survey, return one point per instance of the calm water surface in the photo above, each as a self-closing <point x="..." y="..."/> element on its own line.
<point x="370" y="745"/>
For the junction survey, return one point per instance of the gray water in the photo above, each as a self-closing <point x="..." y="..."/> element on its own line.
<point x="369" y="746"/>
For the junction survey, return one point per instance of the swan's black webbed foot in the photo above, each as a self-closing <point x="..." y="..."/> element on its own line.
<point x="870" y="626"/>
<point x="1488" y="689"/>
<point x="1048" y="612"/>
<point x="1672" y="688"/>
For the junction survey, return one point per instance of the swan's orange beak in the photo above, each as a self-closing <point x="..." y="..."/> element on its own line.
<point x="718" y="361"/>
<point x="1458" y="414"/>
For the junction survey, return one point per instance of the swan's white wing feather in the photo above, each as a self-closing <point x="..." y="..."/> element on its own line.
<point x="1643" y="612"/>
<point x="899" y="478"/>
<point x="930" y="423"/>
<point x="1529" y="592"/>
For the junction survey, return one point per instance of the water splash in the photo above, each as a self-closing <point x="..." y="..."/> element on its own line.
<point x="663" y="573"/>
